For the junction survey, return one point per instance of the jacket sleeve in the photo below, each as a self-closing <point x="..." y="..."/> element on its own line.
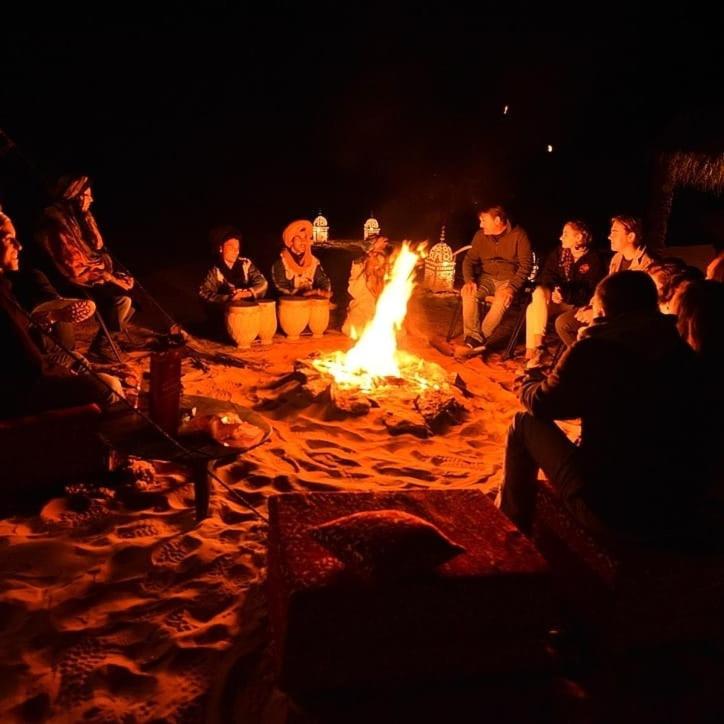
<point x="257" y="281"/>
<point x="321" y="280"/>
<point x="596" y="272"/>
<point x="562" y="395"/>
<point x="279" y="278"/>
<point x="472" y="262"/>
<point x="550" y="277"/>
<point x="209" y="290"/>
<point x="57" y="238"/>
<point x="525" y="260"/>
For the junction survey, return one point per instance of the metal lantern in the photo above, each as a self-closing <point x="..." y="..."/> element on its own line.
<point x="440" y="267"/>
<point x="371" y="228"/>
<point x="320" y="229"/>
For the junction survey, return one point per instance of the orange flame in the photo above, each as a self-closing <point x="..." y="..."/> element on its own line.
<point x="375" y="355"/>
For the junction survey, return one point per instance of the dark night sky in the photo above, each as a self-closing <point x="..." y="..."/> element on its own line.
<point x="187" y="118"/>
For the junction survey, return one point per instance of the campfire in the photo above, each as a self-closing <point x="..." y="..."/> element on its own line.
<point x="414" y="395"/>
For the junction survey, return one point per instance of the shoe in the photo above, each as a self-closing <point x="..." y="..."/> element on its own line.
<point x="74" y="311"/>
<point x="535" y="361"/>
<point x="101" y="352"/>
<point x="470" y="348"/>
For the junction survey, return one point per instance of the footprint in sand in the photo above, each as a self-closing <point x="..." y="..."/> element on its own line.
<point x="175" y="550"/>
<point x="137" y="530"/>
<point x="75" y="666"/>
<point x="176" y="621"/>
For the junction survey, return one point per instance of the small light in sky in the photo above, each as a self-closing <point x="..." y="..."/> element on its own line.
<point x="505" y="111"/>
<point x="550" y="148"/>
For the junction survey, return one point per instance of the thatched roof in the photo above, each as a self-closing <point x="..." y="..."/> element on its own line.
<point x="697" y="170"/>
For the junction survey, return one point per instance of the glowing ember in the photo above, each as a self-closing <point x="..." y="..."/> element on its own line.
<point x="375" y="358"/>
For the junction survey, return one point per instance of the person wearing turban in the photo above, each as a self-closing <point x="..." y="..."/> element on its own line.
<point x="70" y="236"/>
<point x="297" y="271"/>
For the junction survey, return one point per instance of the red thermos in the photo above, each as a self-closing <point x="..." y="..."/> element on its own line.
<point x="164" y="398"/>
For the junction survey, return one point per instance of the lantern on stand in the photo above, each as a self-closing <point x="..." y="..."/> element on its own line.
<point x="320" y="229"/>
<point x="440" y="267"/>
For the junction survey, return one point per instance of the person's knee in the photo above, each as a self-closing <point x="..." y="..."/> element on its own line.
<point x="562" y="324"/>
<point x="539" y="296"/>
<point x="518" y="424"/>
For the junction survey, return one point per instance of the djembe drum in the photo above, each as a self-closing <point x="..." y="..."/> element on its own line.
<point x="294" y="315"/>
<point x="318" y="316"/>
<point x="267" y="320"/>
<point x="242" y="323"/>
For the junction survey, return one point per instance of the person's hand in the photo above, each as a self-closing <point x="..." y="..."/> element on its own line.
<point x="507" y="296"/>
<point x="469" y="289"/>
<point x="123" y="282"/>
<point x="585" y="315"/>
<point x="556" y="296"/>
<point x="240" y="294"/>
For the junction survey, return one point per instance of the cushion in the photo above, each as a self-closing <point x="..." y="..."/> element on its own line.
<point x="386" y="542"/>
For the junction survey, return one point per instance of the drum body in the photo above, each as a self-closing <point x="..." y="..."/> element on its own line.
<point x="293" y="315"/>
<point x="242" y="323"/>
<point x="318" y="316"/>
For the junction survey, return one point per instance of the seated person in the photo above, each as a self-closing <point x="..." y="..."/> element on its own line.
<point x="298" y="272"/>
<point x="630" y="254"/>
<point x="568" y="280"/>
<point x="641" y="467"/>
<point x="37" y="296"/>
<point x="715" y="268"/>
<point x="232" y="279"/>
<point x="680" y="281"/>
<point x="38" y="382"/>
<point x="497" y="264"/>
<point x="366" y="281"/>
<point x="664" y="272"/>
<point x="70" y="236"/>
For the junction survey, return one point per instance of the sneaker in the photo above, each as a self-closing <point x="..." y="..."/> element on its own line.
<point x="472" y="342"/>
<point x="65" y="310"/>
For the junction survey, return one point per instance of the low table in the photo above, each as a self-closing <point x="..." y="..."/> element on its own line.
<point x="129" y="433"/>
<point x="486" y="610"/>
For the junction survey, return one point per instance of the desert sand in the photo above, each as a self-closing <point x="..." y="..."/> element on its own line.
<point x="116" y="606"/>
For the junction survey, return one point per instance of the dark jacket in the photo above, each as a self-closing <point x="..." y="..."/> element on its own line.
<point x="221" y="282"/>
<point x="584" y="273"/>
<point x="25" y="363"/>
<point x="637" y="388"/>
<point x="506" y="258"/>
<point x="287" y="282"/>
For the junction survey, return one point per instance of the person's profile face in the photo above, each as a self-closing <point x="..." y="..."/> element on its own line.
<point x="490" y="224"/>
<point x="9" y="249"/>
<point x="619" y="237"/>
<point x="570" y="238"/>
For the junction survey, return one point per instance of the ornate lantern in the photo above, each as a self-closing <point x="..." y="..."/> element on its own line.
<point x="440" y="267"/>
<point x="320" y="229"/>
<point x="371" y="227"/>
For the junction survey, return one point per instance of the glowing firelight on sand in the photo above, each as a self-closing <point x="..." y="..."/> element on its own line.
<point x="375" y="356"/>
